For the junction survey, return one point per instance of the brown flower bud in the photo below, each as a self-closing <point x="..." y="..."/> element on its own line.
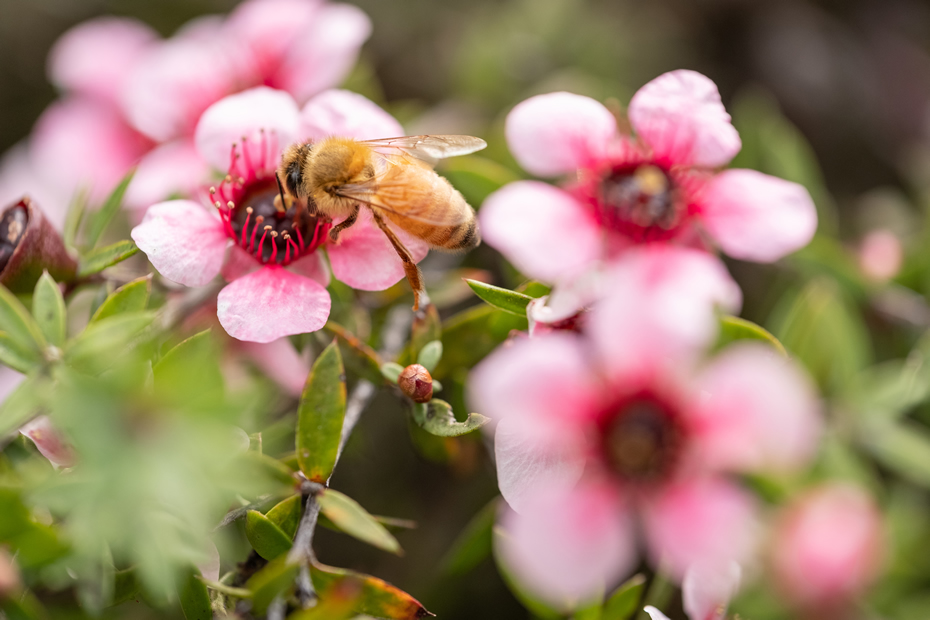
<point x="416" y="382"/>
<point x="29" y="244"/>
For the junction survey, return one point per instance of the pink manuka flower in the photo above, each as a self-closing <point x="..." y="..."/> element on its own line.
<point x="270" y="257"/>
<point x="619" y="431"/>
<point x="706" y="591"/>
<point x="660" y="185"/>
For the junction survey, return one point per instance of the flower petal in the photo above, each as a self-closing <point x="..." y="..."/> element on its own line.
<point x="49" y="441"/>
<point x="183" y="241"/>
<point x="654" y="613"/>
<point x="365" y="259"/>
<point x="701" y="520"/>
<point x="19" y="177"/>
<point x="760" y="411"/>
<point x="542" y="230"/>
<point x="680" y="116"/>
<point x="170" y="169"/>
<point x="281" y="362"/>
<point x="754" y="216"/>
<point x="271" y="303"/>
<point x="238" y="263"/>
<point x="567" y="547"/>
<point x="312" y="266"/>
<point x="347" y="114"/>
<point x="708" y="588"/>
<point x="246" y="114"/>
<point x="559" y="133"/>
<point x="660" y="307"/>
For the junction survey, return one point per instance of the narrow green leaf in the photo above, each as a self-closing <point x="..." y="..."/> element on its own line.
<point x="99" y="259"/>
<point x="474" y="543"/>
<point x="126" y="586"/>
<point x="377" y="597"/>
<point x="13" y="355"/>
<point x="131" y="297"/>
<point x="355" y="521"/>
<point x="21" y="405"/>
<point x="39" y="545"/>
<point x="391" y="371"/>
<point x="625" y="600"/>
<point x="101" y="342"/>
<point x="286" y="515"/>
<point x="271" y="467"/>
<point x="436" y="417"/>
<point x="24" y="607"/>
<point x="48" y="309"/>
<point x="430" y="355"/>
<point x="277" y="577"/>
<point x="733" y="328"/>
<point x="268" y="540"/>
<point x="22" y="331"/>
<point x="468" y="336"/>
<point x="14" y="516"/>
<point x="501" y="298"/>
<point x="194" y="598"/>
<point x="189" y="374"/>
<point x="588" y="611"/>
<point x="101" y="219"/>
<point x="903" y="447"/>
<point x="320" y="414"/>
<point x="74" y="217"/>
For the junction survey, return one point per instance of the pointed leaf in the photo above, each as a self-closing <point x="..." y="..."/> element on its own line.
<point x="430" y="355"/>
<point x="391" y="371"/>
<point x="131" y="297"/>
<point x="271" y="467"/>
<point x="13" y="355"/>
<point x="101" y="219"/>
<point x="268" y="540"/>
<point x="474" y="543"/>
<point x="22" y="331"/>
<point x="99" y="259"/>
<point x="74" y="217"/>
<point x="501" y="298"/>
<point x="48" y="309"/>
<point x="126" y="586"/>
<point x="436" y="417"/>
<point x="320" y="416"/>
<point x="355" y="521"/>
<point x="194" y="598"/>
<point x="277" y="577"/>
<point x="378" y="598"/>
<point x="625" y="600"/>
<point x="22" y="405"/>
<point x="733" y="328"/>
<point x="189" y="374"/>
<point x="101" y="342"/>
<point x="338" y="602"/>
<point x="286" y="515"/>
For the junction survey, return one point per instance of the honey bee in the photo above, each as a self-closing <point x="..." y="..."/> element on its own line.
<point x="394" y="179"/>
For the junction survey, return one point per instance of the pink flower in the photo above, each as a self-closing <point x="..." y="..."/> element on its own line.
<point x="706" y="590"/>
<point x="828" y="546"/>
<point x="277" y="275"/>
<point x="880" y="255"/>
<point x="657" y="186"/>
<point x="619" y="430"/>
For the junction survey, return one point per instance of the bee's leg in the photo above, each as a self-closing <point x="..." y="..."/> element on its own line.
<point x="338" y="228"/>
<point x="410" y="267"/>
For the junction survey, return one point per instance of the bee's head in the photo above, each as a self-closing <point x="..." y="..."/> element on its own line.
<point x="291" y="171"/>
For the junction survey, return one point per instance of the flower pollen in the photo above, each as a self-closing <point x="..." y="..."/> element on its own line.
<point x="641" y="439"/>
<point x="640" y="200"/>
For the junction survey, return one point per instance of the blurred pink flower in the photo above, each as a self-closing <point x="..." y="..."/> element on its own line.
<point x="657" y="186"/>
<point x="827" y="547"/>
<point x="880" y="255"/>
<point x="706" y="591"/>
<point x="47" y="439"/>
<point x="277" y="277"/>
<point x="617" y="431"/>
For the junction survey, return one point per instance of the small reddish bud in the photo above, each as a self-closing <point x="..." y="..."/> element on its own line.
<point x="29" y="245"/>
<point x="416" y="382"/>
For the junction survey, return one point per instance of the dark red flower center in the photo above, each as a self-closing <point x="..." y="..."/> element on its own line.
<point x="641" y="201"/>
<point x="641" y="439"/>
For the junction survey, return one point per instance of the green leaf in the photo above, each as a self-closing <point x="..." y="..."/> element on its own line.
<point x="468" y="337"/>
<point x="131" y="297"/>
<point x="23" y="335"/>
<point x="14" y="516"/>
<point x="101" y="342"/>
<point x="48" y="309"/>
<point x="189" y="374"/>
<point x="268" y="540"/>
<point x="391" y="371"/>
<point x="338" y="602"/>
<point x="194" y="598"/>
<point x="37" y="546"/>
<point x="25" y="607"/>
<point x="22" y="405"/>
<point x="426" y="327"/>
<point x="903" y="447"/>
<point x="74" y="217"/>
<point x="269" y="582"/>
<point x="430" y="355"/>
<point x="733" y="328"/>
<point x="99" y="259"/>
<point x="101" y="219"/>
<point x="320" y="414"/>
<point x="474" y="543"/>
<point x="436" y="417"/>
<point x="12" y="355"/>
<point x="272" y="468"/>
<point x="377" y="598"/>
<point x="286" y="515"/>
<point x="355" y="521"/>
<point x="501" y="298"/>
<point x="477" y="177"/>
<point x="625" y="600"/>
<point x="126" y="586"/>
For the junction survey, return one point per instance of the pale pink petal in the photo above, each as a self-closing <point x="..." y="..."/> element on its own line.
<point x="536" y="454"/>
<point x="183" y="241"/>
<point x="19" y="177"/>
<point x="559" y="133"/>
<point x="322" y="56"/>
<point x="95" y="57"/>
<point x="568" y="547"/>
<point x="364" y="259"/>
<point x="708" y="588"/>
<point x="49" y="441"/>
<point x="541" y="229"/>
<point x="86" y="144"/>
<point x="880" y="255"/>
<point x="281" y="363"/>
<point x="246" y="114"/>
<point x="660" y="307"/>
<point x="680" y="116"/>
<point x="347" y="114"/>
<point x="757" y="411"/>
<point x="701" y="520"/>
<point x="272" y="303"/>
<point x="654" y="613"/>
<point x="754" y="216"/>
<point x="171" y="170"/>
<point x="312" y="266"/>
<point x="238" y="263"/>
<point x="210" y="568"/>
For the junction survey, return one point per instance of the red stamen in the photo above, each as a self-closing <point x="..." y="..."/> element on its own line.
<point x="274" y="246"/>
<point x="258" y="222"/>
<point x="287" y="248"/>
<point x="245" y="226"/>
<point x="261" y="244"/>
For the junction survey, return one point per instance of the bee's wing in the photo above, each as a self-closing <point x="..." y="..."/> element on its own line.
<point x="427" y="148"/>
<point x="396" y="197"/>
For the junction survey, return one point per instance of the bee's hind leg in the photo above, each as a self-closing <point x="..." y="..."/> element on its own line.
<point x="410" y="267"/>
<point x="346" y="223"/>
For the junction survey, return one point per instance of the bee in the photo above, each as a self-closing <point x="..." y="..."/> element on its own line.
<point x="394" y="179"/>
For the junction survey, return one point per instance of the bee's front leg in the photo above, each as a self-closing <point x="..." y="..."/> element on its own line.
<point x="346" y="223"/>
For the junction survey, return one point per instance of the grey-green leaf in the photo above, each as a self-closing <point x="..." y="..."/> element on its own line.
<point x="286" y="515"/>
<point x="268" y="540"/>
<point x="194" y="598"/>
<point x="391" y="371"/>
<point x="354" y="520"/>
<point x="99" y="259"/>
<point x="21" y="329"/>
<point x="625" y="600"/>
<point x="501" y="298"/>
<point x="48" y="309"/>
<point x="436" y="417"/>
<point x="733" y="329"/>
<point x="102" y="340"/>
<point x="320" y="415"/>
<point x="430" y="355"/>
<point x="22" y="404"/>
<point x="101" y="219"/>
<point x="131" y="297"/>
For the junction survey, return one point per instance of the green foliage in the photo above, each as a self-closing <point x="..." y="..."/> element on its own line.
<point x="193" y="597"/>
<point x="48" y="309"/>
<point x="501" y="298"/>
<point x="270" y="582"/>
<point x="624" y="602"/>
<point x="474" y="542"/>
<point x="436" y="418"/>
<point x="376" y="597"/>
<point x="733" y="329"/>
<point x="101" y="219"/>
<point x="268" y="540"/>
<point x="131" y="297"/>
<point x="99" y="259"/>
<point x="430" y="355"/>
<point x="320" y="415"/>
<point x="354" y="520"/>
<point x="286" y="515"/>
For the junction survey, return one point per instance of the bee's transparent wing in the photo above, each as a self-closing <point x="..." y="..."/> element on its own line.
<point x="427" y="148"/>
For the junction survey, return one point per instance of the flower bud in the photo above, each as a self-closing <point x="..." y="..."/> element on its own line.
<point x="29" y="245"/>
<point x="416" y="382"/>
